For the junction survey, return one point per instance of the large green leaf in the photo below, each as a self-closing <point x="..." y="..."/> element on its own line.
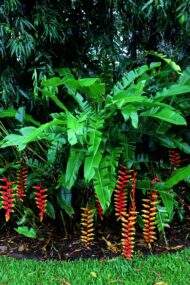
<point x="13" y="140"/>
<point x="90" y="164"/>
<point x="53" y="97"/>
<point x="29" y="134"/>
<point x="53" y="82"/>
<point x="129" y="78"/>
<point x="121" y="99"/>
<point x="105" y="176"/>
<point x="26" y="231"/>
<point x="93" y="87"/>
<point x="64" y="199"/>
<point x="94" y="151"/>
<point x="74" y="162"/>
<point x="168" y="201"/>
<point x="36" y="134"/>
<point x="167" y="115"/>
<point x="171" y="63"/>
<point x="174" y="90"/>
<point x="75" y="128"/>
<point x="179" y="175"/>
<point x="50" y="210"/>
<point x="12" y="113"/>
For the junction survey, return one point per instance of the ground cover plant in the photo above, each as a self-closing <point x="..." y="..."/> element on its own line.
<point x="158" y="270"/>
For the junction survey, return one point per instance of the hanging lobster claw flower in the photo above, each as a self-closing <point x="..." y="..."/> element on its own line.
<point x="87" y="226"/>
<point x="120" y="196"/>
<point x="7" y="197"/>
<point x="174" y="157"/>
<point x="41" y="200"/>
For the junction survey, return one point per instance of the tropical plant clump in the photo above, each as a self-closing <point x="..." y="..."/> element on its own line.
<point x="114" y="143"/>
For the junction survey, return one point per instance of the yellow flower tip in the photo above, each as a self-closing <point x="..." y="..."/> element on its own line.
<point x="7" y="218"/>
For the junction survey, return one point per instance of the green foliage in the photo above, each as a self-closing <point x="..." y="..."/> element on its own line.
<point x="91" y="136"/>
<point x="75" y="160"/>
<point x="77" y="149"/>
<point x="25" y="231"/>
<point x="162" y="219"/>
<point x="180" y="174"/>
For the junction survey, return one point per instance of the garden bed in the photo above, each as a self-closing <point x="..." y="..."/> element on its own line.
<point x="106" y="245"/>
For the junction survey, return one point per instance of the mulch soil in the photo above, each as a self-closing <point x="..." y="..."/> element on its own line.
<point x="106" y="245"/>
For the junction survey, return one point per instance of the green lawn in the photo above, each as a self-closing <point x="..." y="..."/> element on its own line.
<point x="173" y="269"/>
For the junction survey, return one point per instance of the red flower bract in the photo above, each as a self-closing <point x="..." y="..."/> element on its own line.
<point x="128" y="223"/>
<point x="120" y="192"/>
<point x="41" y="200"/>
<point x="174" y="157"/>
<point x="7" y="197"/>
<point x="149" y="214"/>
<point x="99" y="209"/>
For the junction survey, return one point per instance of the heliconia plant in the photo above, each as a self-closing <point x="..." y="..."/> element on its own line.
<point x="120" y="198"/>
<point x="21" y="181"/>
<point x="99" y="208"/>
<point x="7" y="196"/>
<point x="128" y="224"/>
<point x="174" y="157"/>
<point x="94" y="131"/>
<point x="128" y="233"/>
<point x="87" y="226"/>
<point x="149" y="214"/>
<point x="41" y="200"/>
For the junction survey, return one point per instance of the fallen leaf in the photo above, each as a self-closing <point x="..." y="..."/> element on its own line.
<point x="111" y="246"/>
<point x="116" y="281"/>
<point x="46" y="244"/>
<point x="23" y="247"/>
<point x="174" y="247"/>
<point x="161" y="283"/>
<point x="93" y="274"/>
<point x="64" y="282"/>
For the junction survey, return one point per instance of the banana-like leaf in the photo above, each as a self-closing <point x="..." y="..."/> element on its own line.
<point x="76" y="158"/>
<point x="50" y="210"/>
<point x="168" y="201"/>
<point x="92" y="87"/>
<point x="54" y="98"/>
<point x="94" y="152"/>
<point x="179" y="175"/>
<point x="64" y="200"/>
<point x="11" y="113"/>
<point x="122" y="98"/>
<point x="166" y="115"/>
<point x="35" y="134"/>
<point x="162" y="218"/>
<point x="171" y="141"/>
<point x="174" y="90"/>
<point x="29" y="134"/>
<point x="105" y="177"/>
<point x="101" y="182"/>
<point x="131" y="76"/>
<point x="75" y="128"/>
<point x="53" y="82"/>
<point x="171" y="63"/>
<point x="13" y="140"/>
